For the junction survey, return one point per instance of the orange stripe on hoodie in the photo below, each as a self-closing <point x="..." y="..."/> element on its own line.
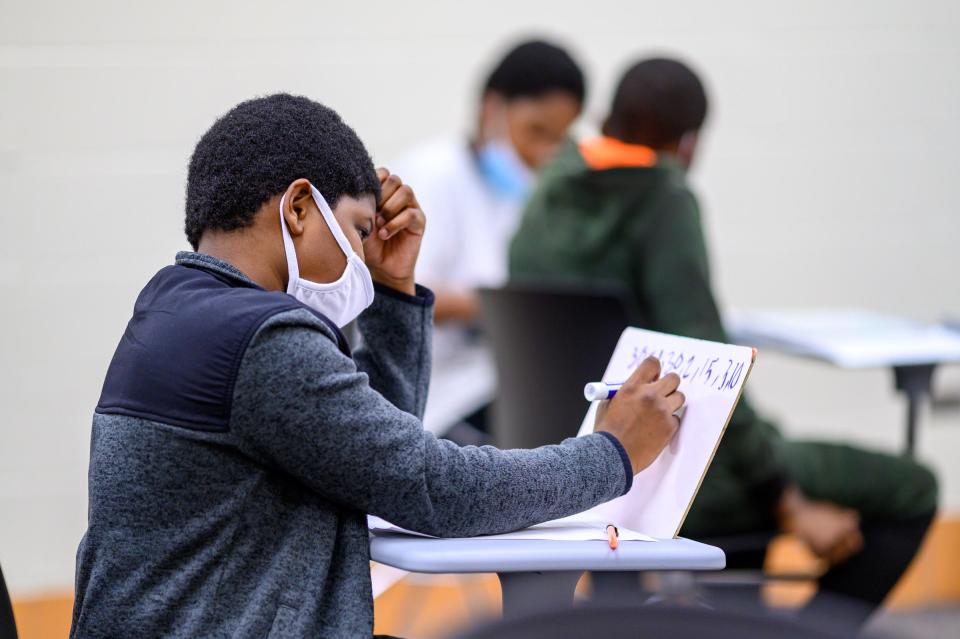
<point x="609" y="153"/>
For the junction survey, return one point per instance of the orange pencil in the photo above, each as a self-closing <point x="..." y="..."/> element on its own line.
<point x="613" y="536"/>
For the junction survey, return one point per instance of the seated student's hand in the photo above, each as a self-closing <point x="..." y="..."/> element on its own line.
<point x="830" y="531"/>
<point x="390" y="252"/>
<point x="641" y="414"/>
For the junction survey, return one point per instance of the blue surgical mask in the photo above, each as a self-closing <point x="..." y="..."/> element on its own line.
<point x="503" y="169"/>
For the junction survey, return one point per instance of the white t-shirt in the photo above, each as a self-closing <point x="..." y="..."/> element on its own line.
<point x="469" y="226"/>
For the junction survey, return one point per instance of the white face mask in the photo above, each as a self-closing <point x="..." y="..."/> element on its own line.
<point x="343" y="299"/>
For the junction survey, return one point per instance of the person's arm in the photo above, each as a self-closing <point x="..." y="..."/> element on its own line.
<point x="395" y="354"/>
<point x="452" y="304"/>
<point x="301" y="407"/>
<point x="672" y="276"/>
<point x="674" y="272"/>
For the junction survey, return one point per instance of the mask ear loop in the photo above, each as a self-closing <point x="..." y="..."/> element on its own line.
<point x="332" y="223"/>
<point x="341" y="239"/>
<point x="293" y="269"/>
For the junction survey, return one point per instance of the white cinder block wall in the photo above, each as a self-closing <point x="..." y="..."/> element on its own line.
<point x="828" y="177"/>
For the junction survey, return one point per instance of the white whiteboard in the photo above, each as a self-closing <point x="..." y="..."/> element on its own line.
<point x="712" y="376"/>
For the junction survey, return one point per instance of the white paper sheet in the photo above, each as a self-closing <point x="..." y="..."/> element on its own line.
<point x="712" y="377"/>
<point x="580" y="527"/>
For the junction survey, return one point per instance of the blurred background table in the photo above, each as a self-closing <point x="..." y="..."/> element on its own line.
<point x="855" y="339"/>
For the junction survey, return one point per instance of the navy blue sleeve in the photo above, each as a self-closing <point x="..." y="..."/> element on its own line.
<point x="627" y="466"/>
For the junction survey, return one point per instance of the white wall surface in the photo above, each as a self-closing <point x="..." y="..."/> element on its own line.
<point x="829" y="176"/>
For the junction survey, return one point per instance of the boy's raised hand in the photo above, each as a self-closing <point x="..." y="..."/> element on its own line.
<point x="641" y="414"/>
<point x="391" y="250"/>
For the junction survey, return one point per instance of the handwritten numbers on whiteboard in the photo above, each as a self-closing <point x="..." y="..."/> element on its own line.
<point x="693" y="368"/>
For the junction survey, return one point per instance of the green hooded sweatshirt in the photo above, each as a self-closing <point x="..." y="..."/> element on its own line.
<point x="639" y="226"/>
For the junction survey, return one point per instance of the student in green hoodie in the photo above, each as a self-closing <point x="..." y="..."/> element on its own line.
<point x="618" y="208"/>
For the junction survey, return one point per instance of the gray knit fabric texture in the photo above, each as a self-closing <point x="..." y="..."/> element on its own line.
<point x="261" y="531"/>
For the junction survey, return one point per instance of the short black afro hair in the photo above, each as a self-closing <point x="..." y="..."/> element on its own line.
<point x="258" y="148"/>
<point x="533" y="69"/>
<point x="656" y="102"/>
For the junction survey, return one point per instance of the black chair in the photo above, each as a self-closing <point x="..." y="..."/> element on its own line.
<point x="8" y="627"/>
<point x="641" y="622"/>
<point x="548" y="342"/>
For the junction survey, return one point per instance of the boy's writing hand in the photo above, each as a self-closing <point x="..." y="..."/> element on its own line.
<point x="391" y="250"/>
<point x="641" y="414"/>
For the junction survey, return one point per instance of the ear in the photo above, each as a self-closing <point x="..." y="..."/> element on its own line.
<point x="687" y="147"/>
<point x="296" y="199"/>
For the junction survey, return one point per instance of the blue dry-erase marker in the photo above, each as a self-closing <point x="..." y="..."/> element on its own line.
<point x="595" y="391"/>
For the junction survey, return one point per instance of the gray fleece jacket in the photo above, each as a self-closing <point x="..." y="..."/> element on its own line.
<point x="238" y="446"/>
